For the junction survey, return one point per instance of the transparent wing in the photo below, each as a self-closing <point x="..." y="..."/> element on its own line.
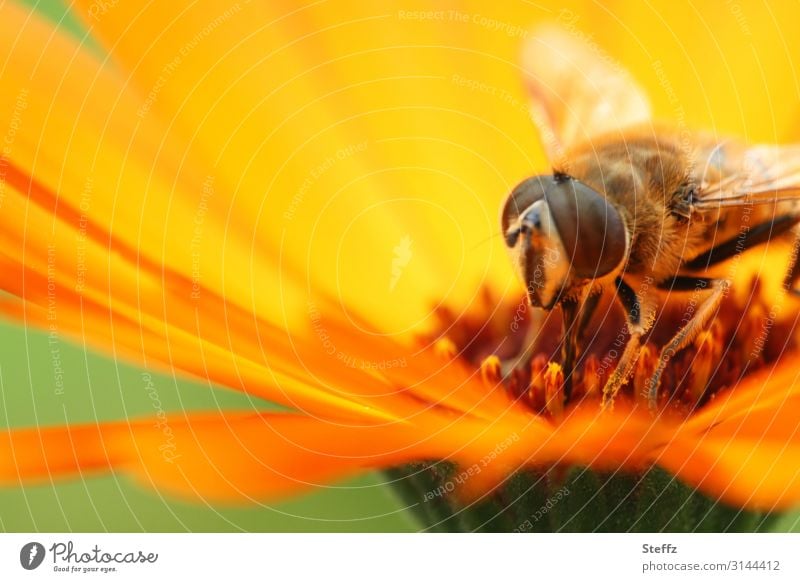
<point x="733" y="175"/>
<point x="576" y="91"/>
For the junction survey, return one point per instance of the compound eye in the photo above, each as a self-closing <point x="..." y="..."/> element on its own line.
<point x="591" y="229"/>
<point x="521" y="198"/>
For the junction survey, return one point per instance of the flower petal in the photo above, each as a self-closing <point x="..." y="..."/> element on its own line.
<point x="116" y="179"/>
<point x="231" y="457"/>
<point x="349" y="127"/>
<point x="757" y="473"/>
<point x="744" y="448"/>
<point x="226" y="350"/>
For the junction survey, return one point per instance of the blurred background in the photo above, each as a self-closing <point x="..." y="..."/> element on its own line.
<point x="101" y="388"/>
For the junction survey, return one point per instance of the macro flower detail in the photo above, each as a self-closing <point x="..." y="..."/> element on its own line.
<point x="246" y="201"/>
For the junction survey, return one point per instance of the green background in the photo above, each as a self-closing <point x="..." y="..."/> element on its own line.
<point x="96" y="387"/>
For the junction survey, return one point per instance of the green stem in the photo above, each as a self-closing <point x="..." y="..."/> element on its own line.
<point x="568" y="499"/>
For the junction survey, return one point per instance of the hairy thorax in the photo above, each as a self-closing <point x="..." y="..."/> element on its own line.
<point x="647" y="178"/>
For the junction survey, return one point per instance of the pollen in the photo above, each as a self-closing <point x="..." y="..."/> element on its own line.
<point x="445" y="348"/>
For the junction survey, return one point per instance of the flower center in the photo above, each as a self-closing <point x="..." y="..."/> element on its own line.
<point x="520" y="347"/>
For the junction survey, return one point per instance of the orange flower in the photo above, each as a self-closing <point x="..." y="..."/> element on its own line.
<point x="300" y="204"/>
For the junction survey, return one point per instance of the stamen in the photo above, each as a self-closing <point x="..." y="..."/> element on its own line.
<point x="517" y="383"/>
<point x="496" y="338"/>
<point x="646" y="366"/>
<point x="590" y="385"/>
<point x="491" y="371"/>
<point x="554" y="389"/>
<point x="704" y="363"/>
<point x="536" y="390"/>
<point x="445" y="348"/>
<point x="752" y="333"/>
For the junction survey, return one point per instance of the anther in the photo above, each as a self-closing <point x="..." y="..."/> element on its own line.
<point x="445" y="348"/>
<point x="536" y="389"/>
<point x="554" y="390"/>
<point x="706" y="358"/>
<point x="491" y="371"/>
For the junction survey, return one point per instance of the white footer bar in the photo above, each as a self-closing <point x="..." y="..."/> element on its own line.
<point x="388" y="557"/>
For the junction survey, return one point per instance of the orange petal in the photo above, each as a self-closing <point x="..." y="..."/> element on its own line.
<point x="756" y="473"/>
<point x="336" y="107"/>
<point x="129" y="306"/>
<point x="235" y="456"/>
<point x="744" y="447"/>
<point x="148" y="341"/>
<point x="117" y="179"/>
<point x="763" y="394"/>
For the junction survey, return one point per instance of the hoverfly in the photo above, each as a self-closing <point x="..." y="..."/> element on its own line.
<point x="633" y="207"/>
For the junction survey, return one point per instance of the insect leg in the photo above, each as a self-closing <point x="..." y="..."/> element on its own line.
<point x="633" y="312"/>
<point x="569" y="346"/>
<point x="589" y="307"/>
<point x="793" y="273"/>
<point x="717" y="288"/>
<point x="755" y="236"/>
<point x="685" y="283"/>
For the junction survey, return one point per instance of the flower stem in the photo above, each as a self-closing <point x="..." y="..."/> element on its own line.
<point x="573" y="499"/>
